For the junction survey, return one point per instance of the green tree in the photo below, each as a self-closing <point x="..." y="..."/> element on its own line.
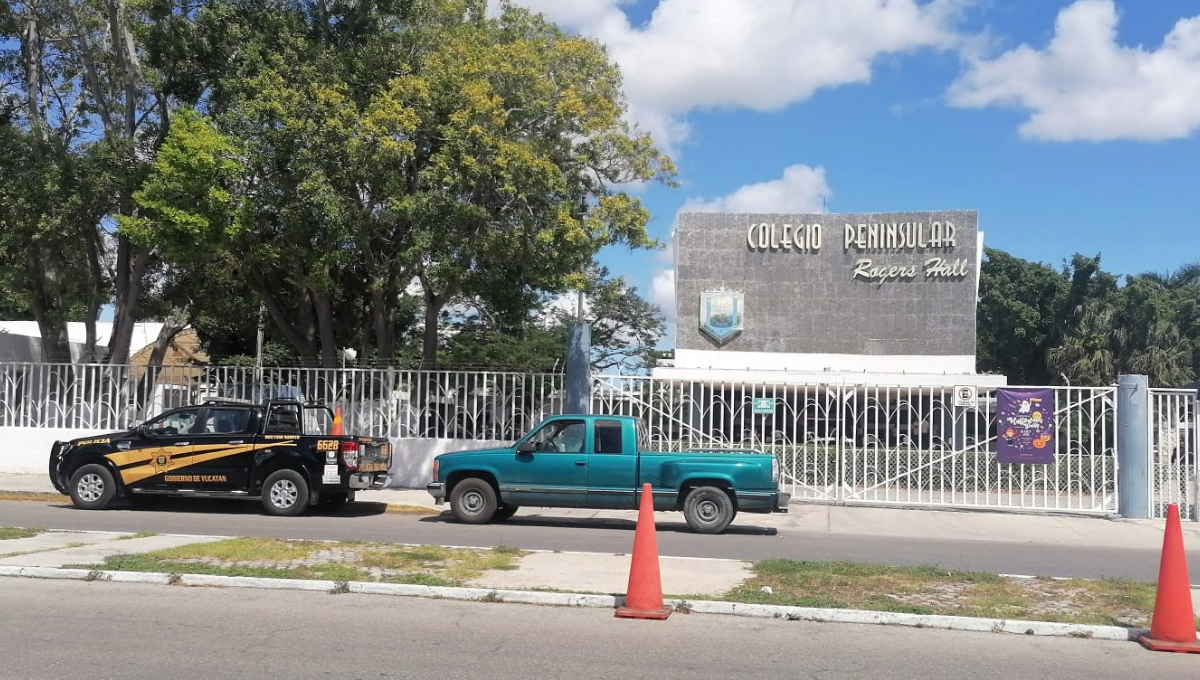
<point x="1019" y="313"/>
<point x="1089" y="354"/>
<point x="473" y="154"/>
<point x="74" y="86"/>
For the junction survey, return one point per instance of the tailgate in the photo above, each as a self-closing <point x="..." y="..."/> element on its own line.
<point x="374" y="455"/>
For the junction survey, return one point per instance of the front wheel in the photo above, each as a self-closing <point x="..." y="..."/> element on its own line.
<point x="473" y="501"/>
<point x="92" y="487"/>
<point x="708" y="510"/>
<point x="285" y="493"/>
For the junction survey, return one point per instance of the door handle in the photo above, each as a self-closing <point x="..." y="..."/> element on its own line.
<point x="181" y="444"/>
<point x="581" y="463"/>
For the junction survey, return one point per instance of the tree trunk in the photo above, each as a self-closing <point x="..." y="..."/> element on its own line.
<point x="323" y="309"/>
<point x="131" y="271"/>
<point x="434" y="302"/>
<point x="299" y="339"/>
<point x="383" y="315"/>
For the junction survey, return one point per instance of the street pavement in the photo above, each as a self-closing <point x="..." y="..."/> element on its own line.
<point x="73" y="629"/>
<point x="608" y="573"/>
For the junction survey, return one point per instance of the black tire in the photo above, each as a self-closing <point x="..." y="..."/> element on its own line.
<point x="335" y="501"/>
<point x="92" y="487"/>
<point x="708" y="510"/>
<point x="504" y="512"/>
<point x="285" y="493"/>
<point x="473" y="501"/>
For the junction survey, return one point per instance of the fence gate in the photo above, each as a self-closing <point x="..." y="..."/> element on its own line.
<point x="888" y="445"/>
<point x="1173" y="449"/>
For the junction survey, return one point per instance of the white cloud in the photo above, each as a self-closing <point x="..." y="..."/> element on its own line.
<point x="801" y="189"/>
<point x="756" y="54"/>
<point x="1086" y="86"/>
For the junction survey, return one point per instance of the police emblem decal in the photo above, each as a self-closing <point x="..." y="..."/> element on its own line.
<point x="721" y="314"/>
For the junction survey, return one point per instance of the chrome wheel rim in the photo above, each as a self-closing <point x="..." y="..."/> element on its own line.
<point x="708" y="511"/>
<point x="284" y="493"/>
<point x="90" y="487"/>
<point x="472" y="502"/>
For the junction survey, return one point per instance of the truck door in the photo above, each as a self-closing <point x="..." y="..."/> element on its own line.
<point x="612" y="465"/>
<point x="163" y="449"/>
<point x="222" y="449"/>
<point x="555" y="473"/>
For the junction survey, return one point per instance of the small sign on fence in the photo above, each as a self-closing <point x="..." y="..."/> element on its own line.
<point x="764" y="405"/>
<point x="965" y="396"/>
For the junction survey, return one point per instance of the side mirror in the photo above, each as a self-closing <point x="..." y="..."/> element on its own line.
<point x="526" y="447"/>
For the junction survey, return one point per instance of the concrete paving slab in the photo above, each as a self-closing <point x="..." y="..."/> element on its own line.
<point x="600" y="573"/>
<point x="95" y="553"/>
<point x="55" y="540"/>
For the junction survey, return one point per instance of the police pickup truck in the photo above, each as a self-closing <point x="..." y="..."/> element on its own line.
<point x="274" y="452"/>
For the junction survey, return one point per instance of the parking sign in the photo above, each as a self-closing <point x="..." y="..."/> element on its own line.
<point x="964" y="396"/>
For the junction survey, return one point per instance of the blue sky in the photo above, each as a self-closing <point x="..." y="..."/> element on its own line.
<point x="1070" y="126"/>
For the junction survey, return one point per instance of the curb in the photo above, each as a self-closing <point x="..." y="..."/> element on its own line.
<point x="961" y="623"/>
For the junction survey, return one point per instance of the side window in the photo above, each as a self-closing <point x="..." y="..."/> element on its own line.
<point x="226" y="420"/>
<point x="561" y="436"/>
<point x="608" y="436"/>
<point x="283" y="420"/>
<point x="173" y="423"/>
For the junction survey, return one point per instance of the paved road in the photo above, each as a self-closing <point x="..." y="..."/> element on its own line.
<point x="744" y="541"/>
<point x="136" y="632"/>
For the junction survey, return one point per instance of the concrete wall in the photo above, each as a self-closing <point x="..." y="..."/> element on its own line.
<point x="27" y="450"/>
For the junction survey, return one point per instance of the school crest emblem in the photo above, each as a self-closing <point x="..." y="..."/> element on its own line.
<point x="721" y="314"/>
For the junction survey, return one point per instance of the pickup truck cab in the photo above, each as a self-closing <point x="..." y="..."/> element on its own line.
<point x="594" y="461"/>
<point x="276" y="452"/>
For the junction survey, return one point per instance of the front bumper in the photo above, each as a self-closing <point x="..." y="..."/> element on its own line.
<point x="367" y="480"/>
<point x="438" y="491"/>
<point x="782" y="500"/>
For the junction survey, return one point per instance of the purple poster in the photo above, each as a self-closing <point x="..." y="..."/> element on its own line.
<point x="1025" y="426"/>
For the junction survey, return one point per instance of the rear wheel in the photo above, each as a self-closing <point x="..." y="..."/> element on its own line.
<point x="285" y="493"/>
<point x="708" y="510"/>
<point x="92" y="487"/>
<point x="473" y="501"/>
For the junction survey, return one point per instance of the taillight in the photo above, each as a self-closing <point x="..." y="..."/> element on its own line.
<point x="350" y="454"/>
<point x="435" y="469"/>
<point x="774" y="469"/>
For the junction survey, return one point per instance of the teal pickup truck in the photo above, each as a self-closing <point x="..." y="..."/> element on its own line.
<point x="593" y="461"/>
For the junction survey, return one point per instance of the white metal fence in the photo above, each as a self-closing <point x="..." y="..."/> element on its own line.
<point x="837" y="442"/>
<point x="883" y="445"/>
<point x="1173" y="452"/>
<point x="378" y="402"/>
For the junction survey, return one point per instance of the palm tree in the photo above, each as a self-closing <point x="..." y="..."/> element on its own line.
<point x="1187" y="275"/>
<point x="1166" y="359"/>
<point x="1090" y="348"/>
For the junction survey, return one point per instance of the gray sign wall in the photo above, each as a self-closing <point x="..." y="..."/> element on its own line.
<point x="859" y="283"/>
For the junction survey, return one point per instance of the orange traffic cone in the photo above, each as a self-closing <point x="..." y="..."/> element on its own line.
<point x="643" y="597"/>
<point x="1173" y="627"/>
<point x="337" y="422"/>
